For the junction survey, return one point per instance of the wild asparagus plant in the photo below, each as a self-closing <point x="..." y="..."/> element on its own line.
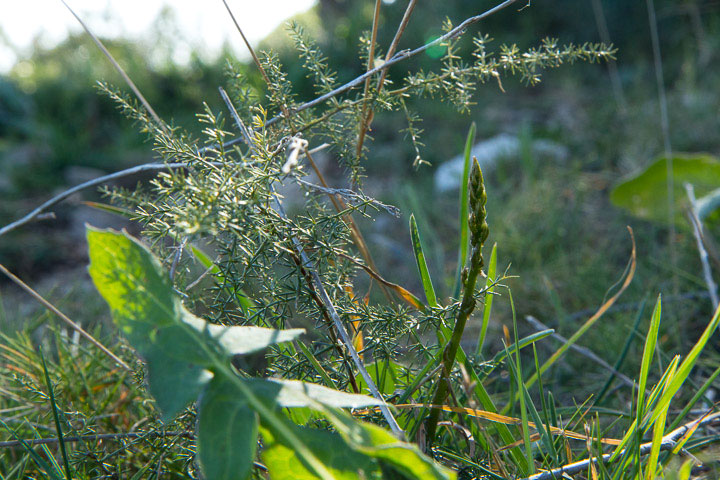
<point x="479" y="231"/>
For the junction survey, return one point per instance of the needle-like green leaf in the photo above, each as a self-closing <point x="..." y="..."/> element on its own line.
<point x="422" y="264"/>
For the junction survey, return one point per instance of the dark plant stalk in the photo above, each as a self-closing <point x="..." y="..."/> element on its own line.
<point x="56" y="418"/>
<point x="478" y="234"/>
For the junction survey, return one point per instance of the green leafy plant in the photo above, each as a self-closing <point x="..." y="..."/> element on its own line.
<point x="645" y="194"/>
<point x="187" y="358"/>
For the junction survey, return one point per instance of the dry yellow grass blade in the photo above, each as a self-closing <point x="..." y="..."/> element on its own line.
<point x="498" y="418"/>
<point x="403" y="293"/>
<point x="358" y="341"/>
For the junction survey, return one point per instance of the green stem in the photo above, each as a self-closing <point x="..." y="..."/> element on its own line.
<point x="448" y="362"/>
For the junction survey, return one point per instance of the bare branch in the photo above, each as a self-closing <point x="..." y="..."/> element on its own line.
<point x="400" y="56"/>
<point x="352" y="196"/>
<point x="698" y="231"/>
<point x="119" y="69"/>
<point x="90" y="183"/>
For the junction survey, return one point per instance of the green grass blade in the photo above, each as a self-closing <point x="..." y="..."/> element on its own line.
<point x="422" y="264"/>
<point x="464" y="236"/>
<point x="104" y="207"/>
<point x="686" y="366"/>
<point x="524" y="342"/>
<point x="318" y="368"/>
<point x="623" y="353"/>
<point x="490" y="289"/>
<point x="239" y="295"/>
<point x="658" y="432"/>
<point x="52" y="473"/>
<point x="517" y="371"/>
<point x="543" y="404"/>
<point x="698" y="395"/>
<point x="56" y="417"/>
<point x="648" y="354"/>
<point x="632" y="432"/>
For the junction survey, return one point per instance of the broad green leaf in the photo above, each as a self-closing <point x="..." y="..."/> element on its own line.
<point x="196" y="340"/>
<point x="293" y="394"/>
<point x="645" y="195"/>
<point x="384" y="373"/>
<point x="343" y="462"/>
<point x="422" y="264"/>
<point x="133" y="283"/>
<point x="173" y="383"/>
<point x="379" y="443"/>
<point x="226" y="434"/>
<point x="143" y="302"/>
<point x="464" y="237"/>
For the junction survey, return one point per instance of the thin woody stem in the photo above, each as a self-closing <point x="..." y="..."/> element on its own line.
<point x="324" y="300"/>
<point x="367" y="111"/>
<point x="364" y="119"/>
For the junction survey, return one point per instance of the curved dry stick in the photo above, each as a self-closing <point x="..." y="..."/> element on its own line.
<point x="669" y="442"/>
<point x="64" y="318"/>
<point x="90" y="183"/>
<point x="400" y="56"/>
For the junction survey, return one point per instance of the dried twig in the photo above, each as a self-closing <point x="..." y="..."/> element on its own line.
<point x="119" y="69"/>
<point x="90" y="183"/>
<point x="176" y="258"/>
<point x="367" y="112"/>
<point x="669" y="442"/>
<point x="352" y="196"/>
<point x="698" y="231"/>
<point x="64" y="318"/>
<point x="365" y="115"/>
<point x="399" y="57"/>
